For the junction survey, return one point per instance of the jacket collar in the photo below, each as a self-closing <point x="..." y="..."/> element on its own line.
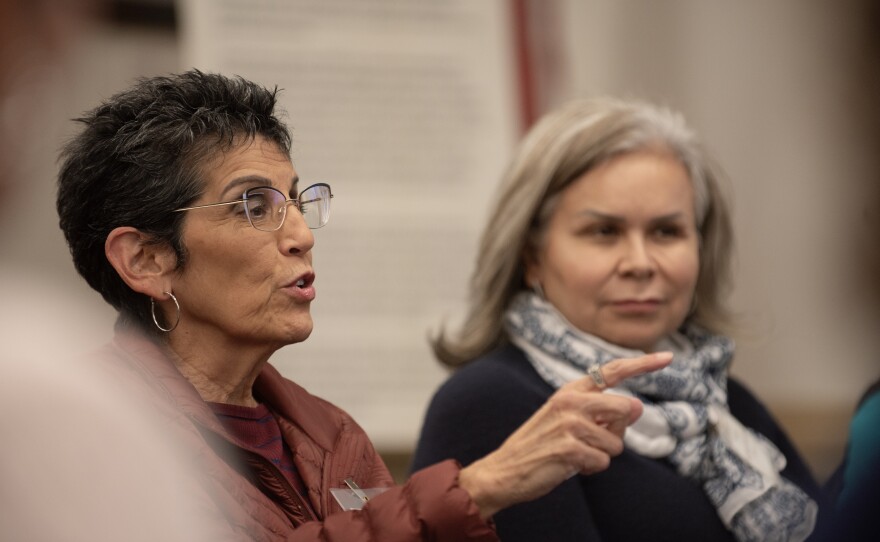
<point x="298" y="406"/>
<point x="282" y="395"/>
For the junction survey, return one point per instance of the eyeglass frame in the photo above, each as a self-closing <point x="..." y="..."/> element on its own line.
<point x="243" y="200"/>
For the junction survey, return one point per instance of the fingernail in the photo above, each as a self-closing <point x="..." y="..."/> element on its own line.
<point x="663" y="356"/>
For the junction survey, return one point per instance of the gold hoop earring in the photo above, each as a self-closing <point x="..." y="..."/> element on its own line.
<point x="156" y="320"/>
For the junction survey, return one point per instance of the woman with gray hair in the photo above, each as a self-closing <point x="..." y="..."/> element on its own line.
<point x="610" y="238"/>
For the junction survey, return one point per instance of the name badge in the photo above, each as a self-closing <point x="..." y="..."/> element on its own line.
<point x="353" y="497"/>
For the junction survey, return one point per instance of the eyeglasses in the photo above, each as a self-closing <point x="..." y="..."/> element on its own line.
<point x="266" y="207"/>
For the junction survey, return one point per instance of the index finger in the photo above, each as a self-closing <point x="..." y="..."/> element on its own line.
<point x="619" y="370"/>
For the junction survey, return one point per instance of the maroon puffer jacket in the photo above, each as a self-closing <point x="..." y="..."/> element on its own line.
<point x="243" y="496"/>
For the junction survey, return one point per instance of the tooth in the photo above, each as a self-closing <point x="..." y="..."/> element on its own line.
<point x="301" y="282"/>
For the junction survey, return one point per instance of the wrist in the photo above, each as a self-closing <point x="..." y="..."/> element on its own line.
<point x="482" y="488"/>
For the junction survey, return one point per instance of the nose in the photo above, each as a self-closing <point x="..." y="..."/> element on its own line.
<point x="636" y="259"/>
<point x="295" y="236"/>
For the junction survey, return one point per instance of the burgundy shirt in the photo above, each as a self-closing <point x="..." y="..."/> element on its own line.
<point x="258" y="428"/>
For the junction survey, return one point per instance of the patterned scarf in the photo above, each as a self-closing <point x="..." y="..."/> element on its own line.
<point x="686" y="419"/>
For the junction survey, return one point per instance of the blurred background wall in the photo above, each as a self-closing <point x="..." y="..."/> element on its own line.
<point x="784" y="94"/>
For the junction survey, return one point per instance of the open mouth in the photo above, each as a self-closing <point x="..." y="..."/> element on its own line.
<point x="304" y="281"/>
<point x="303" y="288"/>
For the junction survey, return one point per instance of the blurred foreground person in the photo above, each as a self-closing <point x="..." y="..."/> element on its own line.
<point x="610" y="238"/>
<point x="80" y="461"/>
<point x="182" y="208"/>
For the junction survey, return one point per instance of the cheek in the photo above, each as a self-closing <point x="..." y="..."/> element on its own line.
<point x="685" y="270"/>
<point x="579" y="271"/>
<point x="226" y="272"/>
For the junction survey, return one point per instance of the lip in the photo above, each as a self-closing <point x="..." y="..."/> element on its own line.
<point x="636" y="306"/>
<point x="305" y="292"/>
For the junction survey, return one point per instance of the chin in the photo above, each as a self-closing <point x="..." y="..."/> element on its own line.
<point x="300" y="335"/>
<point x="297" y="332"/>
<point x="635" y="341"/>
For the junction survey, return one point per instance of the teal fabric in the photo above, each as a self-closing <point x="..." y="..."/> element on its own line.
<point x="863" y="450"/>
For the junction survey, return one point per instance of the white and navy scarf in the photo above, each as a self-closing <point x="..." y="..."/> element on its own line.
<point x="686" y="419"/>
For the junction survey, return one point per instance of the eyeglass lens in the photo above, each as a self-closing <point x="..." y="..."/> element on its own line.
<point x="266" y="207"/>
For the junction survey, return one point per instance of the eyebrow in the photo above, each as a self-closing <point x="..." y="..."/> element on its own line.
<point x="615" y="218"/>
<point x="600" y="215"/>
<point x="255" y="180"/>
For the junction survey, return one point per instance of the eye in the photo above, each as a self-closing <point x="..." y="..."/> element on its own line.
<point x="257" y="206"/>
<point x="603" y="230"/>
<point x="239" y="208"/>
<point x="669" y="231"/>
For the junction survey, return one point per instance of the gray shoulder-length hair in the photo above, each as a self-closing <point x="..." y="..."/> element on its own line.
<point x="560" y="148"/>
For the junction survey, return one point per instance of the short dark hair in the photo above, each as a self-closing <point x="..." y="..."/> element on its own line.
<point x="141" y="155"/>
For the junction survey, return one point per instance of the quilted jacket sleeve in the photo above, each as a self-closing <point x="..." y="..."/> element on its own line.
<point x="430" y="506"/>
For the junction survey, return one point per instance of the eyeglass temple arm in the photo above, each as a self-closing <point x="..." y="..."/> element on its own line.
<point x="291" y="200"/>
<point x="208" y="205"/>
<point x="288" y="201"/>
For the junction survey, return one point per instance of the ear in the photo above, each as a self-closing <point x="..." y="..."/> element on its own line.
<point x="145" y="267"/>
<point x="531" y="267"/>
